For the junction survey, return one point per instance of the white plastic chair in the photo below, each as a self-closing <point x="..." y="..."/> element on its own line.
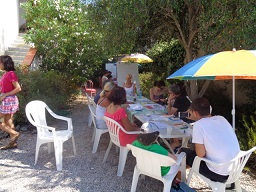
<point x="36" y="114"/>
<point x="87" y="87"/>
<point x="96" y="132"/>
<point x="237" y="164"/>
<point x="114" y="128"/>
<point x="149" y="163"/>
<point x="94" y="105"/>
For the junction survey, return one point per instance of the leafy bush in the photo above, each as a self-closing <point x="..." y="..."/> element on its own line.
<point x="167" y="57"/>
<point x="220" y="102"/>
<point x="64" y="37"/>
<point x="54" y="89"/>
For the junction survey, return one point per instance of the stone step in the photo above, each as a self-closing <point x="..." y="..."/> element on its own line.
<point x="17" y="53"/>
<point x="22" y="34"/>
<point x="18" y="49"/>
<point x="20" y="45"/>
<point x="17" y="58"/>
<point x="19" y="39"/>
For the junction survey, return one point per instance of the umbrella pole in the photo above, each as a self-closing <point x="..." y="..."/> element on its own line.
<point x="233" y="112"/>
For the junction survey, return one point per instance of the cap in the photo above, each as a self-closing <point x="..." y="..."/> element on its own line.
<point x="149" y="127"/>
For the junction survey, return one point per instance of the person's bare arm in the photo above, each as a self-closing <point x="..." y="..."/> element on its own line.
<point x="134" y="89"/>
<point x="200" y="150"/>
<point x="16" y="90"/>
<point x="105" y="103"/>
<point x="151" y="94"/>
<point x="128" y="125"/>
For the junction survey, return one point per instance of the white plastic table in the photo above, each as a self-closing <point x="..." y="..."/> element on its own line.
<point x="168" y="128"/>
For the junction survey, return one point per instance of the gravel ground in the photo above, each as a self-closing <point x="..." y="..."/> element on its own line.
<point x="83" y="172"/>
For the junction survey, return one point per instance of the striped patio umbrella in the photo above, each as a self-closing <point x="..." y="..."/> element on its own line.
<point x="220" y="66"/>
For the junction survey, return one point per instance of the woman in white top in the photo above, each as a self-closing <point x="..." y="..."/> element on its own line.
<point x="129" y="86"/>
<point x="102" y="104"/>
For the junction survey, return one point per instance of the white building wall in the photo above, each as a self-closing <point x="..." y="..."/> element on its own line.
<point x="9" y="23"/>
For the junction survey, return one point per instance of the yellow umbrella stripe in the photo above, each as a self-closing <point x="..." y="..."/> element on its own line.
<point x="229" y="63"/>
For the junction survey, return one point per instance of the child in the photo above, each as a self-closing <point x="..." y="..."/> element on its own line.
<point x="9" y="87"/>
<point x="147" y="141"/>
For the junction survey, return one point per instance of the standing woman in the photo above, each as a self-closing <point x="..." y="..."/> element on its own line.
<point x="9" y="87"/>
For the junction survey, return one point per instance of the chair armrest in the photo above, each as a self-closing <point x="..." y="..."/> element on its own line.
<point x="180" y="158"/>
<point x="132" y="132"/>
<point x="58" y="116"/>
<point x="199" y="159"/>
<point x="45" y="127"/>
<point x="69" y="120"/>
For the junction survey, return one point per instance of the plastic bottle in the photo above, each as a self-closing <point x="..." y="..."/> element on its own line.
<point x="139" y="94"/>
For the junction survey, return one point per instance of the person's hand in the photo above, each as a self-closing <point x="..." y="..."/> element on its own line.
<point x="2" y="97"/>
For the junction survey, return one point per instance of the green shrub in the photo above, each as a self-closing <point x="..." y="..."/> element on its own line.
<point x="54" y="89"/>
<point x="220" y="101"/>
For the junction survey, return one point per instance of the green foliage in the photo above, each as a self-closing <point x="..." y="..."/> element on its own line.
<point x="220" y="102"/>
<point x="201" y="26"/>
<point x="146" y="82"/>
<point x="246" y="115"/>
<point x="228" y="24"/>
<point x="54" y="89"/>
<point x="119" y="23"/>
<point x="65" y="38"/>
<point x="167" y="57"/>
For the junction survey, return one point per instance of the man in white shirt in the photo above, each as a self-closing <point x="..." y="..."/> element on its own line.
<point x="214" y="139"/>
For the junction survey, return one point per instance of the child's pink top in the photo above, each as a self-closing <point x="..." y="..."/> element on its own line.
<point x="6" y="81"/>
<point x="123" y="137"/>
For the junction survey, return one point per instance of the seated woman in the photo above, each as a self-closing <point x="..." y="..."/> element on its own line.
<point x="147" y="141"/>
<point x="129" y="86"/>
<point x="102" y="104"/>
<point x="114" y="111"/>
<point x="177" y="102"/>
<point x="158" y="92"/>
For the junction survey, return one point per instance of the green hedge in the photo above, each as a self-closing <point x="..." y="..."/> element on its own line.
<point x="54" y="89"/>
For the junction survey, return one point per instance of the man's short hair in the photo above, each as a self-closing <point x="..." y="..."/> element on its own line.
<point x="175" y="89"/>
<point x="201" y="105"/>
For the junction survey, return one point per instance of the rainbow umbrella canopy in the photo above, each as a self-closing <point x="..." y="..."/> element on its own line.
<point x="220" y="66"/>
<point x="136" y="58"/>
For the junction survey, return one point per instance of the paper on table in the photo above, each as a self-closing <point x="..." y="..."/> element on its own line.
<point x="143" y="100"/>
<point x="135" y="106"/>
<point x="158" y="117"/>
<point x="154" y="106"/>
<point x="160" y="125"/>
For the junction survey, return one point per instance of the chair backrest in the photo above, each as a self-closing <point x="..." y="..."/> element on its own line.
<point x="238" y="164"/>
<point x="150" y="162"/>
<point x="93" y="114"/>
<point x="90" y="100"/>
<point x="113" y="129"/>
<point x="89" y="84"/>
<point x="36" y="114"/>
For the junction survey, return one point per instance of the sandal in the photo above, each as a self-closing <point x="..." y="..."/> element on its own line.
<point x="14" y="139"/>
<point x="9" y="146"/>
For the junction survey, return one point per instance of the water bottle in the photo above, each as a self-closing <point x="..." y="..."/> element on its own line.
<point x="139" y="94"/>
